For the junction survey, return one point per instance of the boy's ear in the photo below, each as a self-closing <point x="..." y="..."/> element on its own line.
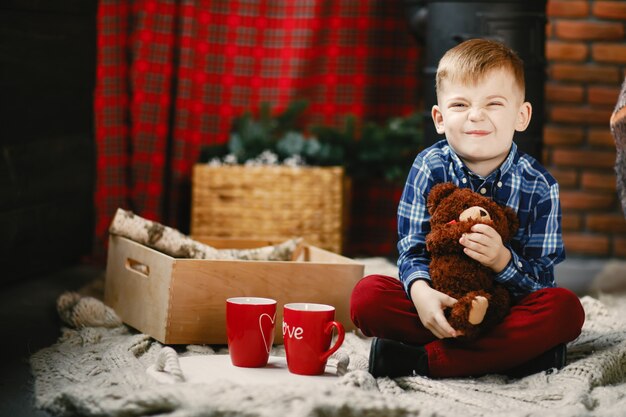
<point x="523" y="116"/>
<point x="437" y="116"/>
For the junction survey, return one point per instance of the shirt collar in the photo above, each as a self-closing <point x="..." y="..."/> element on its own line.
<point x="509" y="161"/>
<point x="462" y="170"/>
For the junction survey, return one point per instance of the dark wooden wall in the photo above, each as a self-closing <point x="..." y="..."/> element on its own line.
<point x="47" y="169"/>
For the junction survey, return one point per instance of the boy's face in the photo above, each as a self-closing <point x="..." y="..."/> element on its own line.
<point x="479" y="120"/>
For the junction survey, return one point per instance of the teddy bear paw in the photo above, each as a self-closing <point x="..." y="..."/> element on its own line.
<point x="478" y="310"/>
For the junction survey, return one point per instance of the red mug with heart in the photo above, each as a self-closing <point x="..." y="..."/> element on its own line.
<point x="250" y="330"/>
<point x="307" y="334"/>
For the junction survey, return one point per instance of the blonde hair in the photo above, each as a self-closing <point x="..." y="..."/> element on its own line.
<point x="471" y="60"/>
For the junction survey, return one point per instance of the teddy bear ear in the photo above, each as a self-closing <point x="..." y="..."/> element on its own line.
<point x="513" y="223"/>
<point x="438" y="193"/>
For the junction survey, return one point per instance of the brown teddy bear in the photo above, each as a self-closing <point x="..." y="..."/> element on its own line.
<point x="482" y="302"/>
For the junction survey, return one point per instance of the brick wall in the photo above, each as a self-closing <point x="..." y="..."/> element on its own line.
<point x="586" y="52"/>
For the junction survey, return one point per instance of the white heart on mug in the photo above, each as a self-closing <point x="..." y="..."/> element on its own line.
<point x="268" y="346"/>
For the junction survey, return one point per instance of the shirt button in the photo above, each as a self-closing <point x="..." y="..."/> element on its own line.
<point x="483" y="190"/>
<point x="464" y="180"/>
<point x="519" y="264"/>
<point x="499" y="184"/>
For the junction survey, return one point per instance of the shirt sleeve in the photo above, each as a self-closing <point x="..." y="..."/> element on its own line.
<point x="532" y="261"/>
<point x="414" y="225"/>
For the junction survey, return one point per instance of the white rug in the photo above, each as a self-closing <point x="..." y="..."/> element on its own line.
<point x="101" y="368"/>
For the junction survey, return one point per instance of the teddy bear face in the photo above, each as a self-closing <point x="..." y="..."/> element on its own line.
<point x="475" y="213"/>
<point x="458" y="209"/>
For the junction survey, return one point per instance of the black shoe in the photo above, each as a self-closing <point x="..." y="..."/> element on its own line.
<point x="553" y="358"/>
<point x="396" y="359"/>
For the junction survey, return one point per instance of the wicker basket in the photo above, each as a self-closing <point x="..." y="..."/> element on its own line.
<point x="270" y="202"/>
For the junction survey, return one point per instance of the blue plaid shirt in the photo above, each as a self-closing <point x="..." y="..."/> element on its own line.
<point x="520" y="183"/>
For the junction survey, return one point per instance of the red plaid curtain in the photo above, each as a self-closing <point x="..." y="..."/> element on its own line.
<point x="172" y="75"/>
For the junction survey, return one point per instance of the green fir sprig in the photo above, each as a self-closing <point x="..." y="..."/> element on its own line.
<point x="381" y="151"/>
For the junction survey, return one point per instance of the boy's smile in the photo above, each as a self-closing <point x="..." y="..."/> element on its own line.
<point x="478" y="132"/>
<point x="479" y="119"/>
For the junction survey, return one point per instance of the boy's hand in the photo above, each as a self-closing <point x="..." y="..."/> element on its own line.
<point x="485" y="245"/>
<point x="430" y="304"/>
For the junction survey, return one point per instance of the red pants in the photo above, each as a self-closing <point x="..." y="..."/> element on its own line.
<point x="538" y="322"/>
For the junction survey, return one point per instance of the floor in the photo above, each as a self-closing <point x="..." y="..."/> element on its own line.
<point x="29" y="320"/>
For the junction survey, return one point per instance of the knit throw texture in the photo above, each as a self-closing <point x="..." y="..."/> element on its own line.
<point x="99" y="368"/>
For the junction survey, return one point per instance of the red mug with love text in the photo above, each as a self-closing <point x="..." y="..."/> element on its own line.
<point x="250" y="330"/>
<point x="307" y="333"/>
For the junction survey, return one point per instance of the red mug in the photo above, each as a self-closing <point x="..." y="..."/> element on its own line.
<point x="250" y="330"/>
<point x="307" y="333"/>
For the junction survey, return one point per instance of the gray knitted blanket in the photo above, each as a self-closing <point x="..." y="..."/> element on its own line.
<point x="99" y="367"/>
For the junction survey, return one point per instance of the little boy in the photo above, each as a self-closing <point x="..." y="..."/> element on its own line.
<point x="480" y="94"/>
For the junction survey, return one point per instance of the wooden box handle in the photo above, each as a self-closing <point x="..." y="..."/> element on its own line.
<point x="137" y="267"/>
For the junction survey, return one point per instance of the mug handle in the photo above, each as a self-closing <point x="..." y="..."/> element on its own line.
<point x="341" y="334"/>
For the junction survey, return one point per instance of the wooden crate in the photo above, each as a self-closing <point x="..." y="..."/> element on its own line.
<point x="183" y="301"/>
<point x="270" y="202"/>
